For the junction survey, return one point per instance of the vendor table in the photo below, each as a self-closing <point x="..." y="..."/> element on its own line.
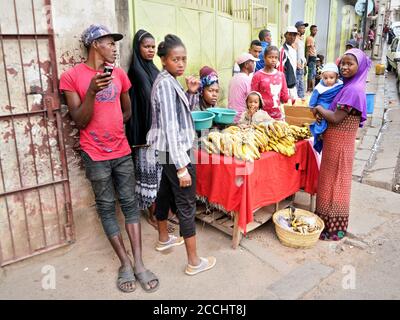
<point x="252" y="192"/>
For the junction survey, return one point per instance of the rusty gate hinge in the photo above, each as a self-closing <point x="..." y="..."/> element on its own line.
<point x="69" y="233"/>
<point x="49" y="104"/>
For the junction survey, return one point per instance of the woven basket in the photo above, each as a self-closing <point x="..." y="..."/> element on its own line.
<point x="294" y="239"/>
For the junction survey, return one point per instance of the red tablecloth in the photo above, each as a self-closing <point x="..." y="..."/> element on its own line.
<point x="244" y="187"/>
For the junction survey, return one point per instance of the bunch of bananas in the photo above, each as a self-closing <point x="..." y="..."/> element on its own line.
<point x="244" y="144"/>
<point x="247" y="143"/>
<point x="304" y="225"/>
<point x="280" y="138"/>
<point x="300" y="133"/>
<point x="299" y="222"/>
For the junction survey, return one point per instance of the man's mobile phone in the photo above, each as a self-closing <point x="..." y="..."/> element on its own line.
<point x="108" y="69"/>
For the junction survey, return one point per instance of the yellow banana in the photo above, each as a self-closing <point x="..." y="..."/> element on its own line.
<point x="254" y="150"/>
<point x="209" y="146"/>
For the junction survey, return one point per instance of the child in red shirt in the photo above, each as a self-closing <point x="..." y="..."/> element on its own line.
<point x="271" y="83"/>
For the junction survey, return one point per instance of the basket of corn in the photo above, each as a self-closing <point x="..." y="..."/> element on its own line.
<point x="297" y="228"/>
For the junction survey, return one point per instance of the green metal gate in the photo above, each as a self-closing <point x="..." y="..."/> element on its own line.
<point x="215" y="32"/>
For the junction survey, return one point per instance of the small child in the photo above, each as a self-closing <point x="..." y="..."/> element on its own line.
<point x="323" y="95"/>
<point x="320" y="66"/>
<point x="254" y="113"/>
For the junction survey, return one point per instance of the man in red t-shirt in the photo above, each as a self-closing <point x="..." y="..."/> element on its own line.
<point x="99" y="104"/>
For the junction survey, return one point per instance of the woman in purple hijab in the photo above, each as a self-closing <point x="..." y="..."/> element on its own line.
<point x="346" y="113"/>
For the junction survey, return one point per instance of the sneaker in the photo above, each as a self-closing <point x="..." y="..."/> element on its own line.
<point x="205" y="264"/>
<point x="172" y="242"/>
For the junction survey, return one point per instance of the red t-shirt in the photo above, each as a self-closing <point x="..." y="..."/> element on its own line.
<point x="104" y="137"/>
<point x="273" y="89"/>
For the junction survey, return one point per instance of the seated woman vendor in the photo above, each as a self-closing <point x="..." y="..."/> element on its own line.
<point x="209" y="92"/>
<point x="254" y="113"/>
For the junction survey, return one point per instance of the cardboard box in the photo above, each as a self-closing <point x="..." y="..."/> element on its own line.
<point x="297" y="115"/>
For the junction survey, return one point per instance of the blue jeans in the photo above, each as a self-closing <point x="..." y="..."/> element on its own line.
<point x="300" y="82"/>
<point x="105" y="177"/>
<point x="312" y="68"/>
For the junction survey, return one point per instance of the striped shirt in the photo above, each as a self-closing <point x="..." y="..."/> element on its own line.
<point x="172" y="128"/>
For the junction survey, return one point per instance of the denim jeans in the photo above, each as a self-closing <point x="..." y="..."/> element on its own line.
<point x="312" y="68"/>
<point x="108" y="177"/>
<point x="300" y="82"/>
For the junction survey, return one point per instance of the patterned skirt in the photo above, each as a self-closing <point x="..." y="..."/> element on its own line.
<point x="147" y="175"/>
<point x="334" y="185"/>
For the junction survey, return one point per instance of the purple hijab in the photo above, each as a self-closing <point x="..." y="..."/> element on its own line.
<point x="353" y="92"/>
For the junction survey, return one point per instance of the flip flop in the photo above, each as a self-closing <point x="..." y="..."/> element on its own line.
<point x="145" y="278"/>
<point x="205" y="264"/>
<point x="172" y="242"/>
<point x="126" y="276"/>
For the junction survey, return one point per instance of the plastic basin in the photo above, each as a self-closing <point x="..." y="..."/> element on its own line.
<point x="202" y="119"/>
<point x="223" y="115"/>
<point x="370" y="102"/>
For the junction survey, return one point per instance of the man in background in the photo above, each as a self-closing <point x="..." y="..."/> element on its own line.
<point x="265" y="37"/>
<point x="311" y="55"/>
<point x="255" y="50"/>
<point x="288" y="61"/>
<point x="299" y="46"/>
<point x="240" y="84"/>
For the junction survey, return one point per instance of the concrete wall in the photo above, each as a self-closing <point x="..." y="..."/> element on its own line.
<point x="297" y="11"/>
<point x="395" y="10"/>
<point x="322" y="21"/>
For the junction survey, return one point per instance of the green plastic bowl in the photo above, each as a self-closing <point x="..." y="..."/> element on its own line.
<point x="202" y="119"/>
<point x="223" y="115"/>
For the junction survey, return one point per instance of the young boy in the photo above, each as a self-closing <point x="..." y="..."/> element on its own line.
<point x="323" y="95"/>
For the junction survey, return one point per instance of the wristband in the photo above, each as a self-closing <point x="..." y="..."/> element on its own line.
<point x="184" y="173"/>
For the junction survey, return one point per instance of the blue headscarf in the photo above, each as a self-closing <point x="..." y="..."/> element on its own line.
<point x="208" y="77"/>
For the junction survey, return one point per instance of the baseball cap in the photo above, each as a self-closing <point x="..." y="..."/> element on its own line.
<point x="301" y="23"/>
<point x="331" y="67"/>
<point x="291" y="29"/>
<point x="246" y="57"/>
<point x="352" y="43"/>
<point x="97" y="31"/>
